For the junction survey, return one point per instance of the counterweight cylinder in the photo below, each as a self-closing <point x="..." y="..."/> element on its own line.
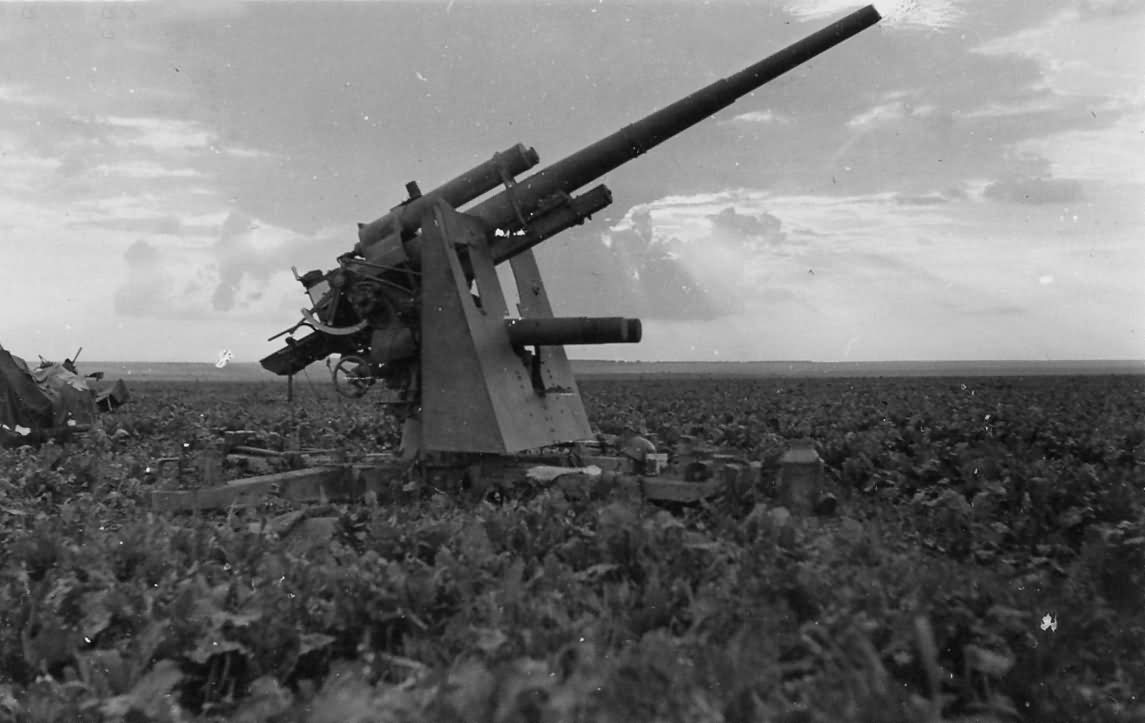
<point x="404" y="218"/>
<point x="565" y="330"/>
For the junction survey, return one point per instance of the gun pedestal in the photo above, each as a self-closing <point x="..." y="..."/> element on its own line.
<point x="481" y="392"/>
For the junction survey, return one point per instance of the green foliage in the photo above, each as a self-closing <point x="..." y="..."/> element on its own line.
<point x="989" y="565"/>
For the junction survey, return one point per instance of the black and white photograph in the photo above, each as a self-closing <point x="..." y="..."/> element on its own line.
<point x="533" y="361"/>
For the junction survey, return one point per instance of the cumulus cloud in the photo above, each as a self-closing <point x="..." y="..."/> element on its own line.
<point x="237" y="257"/>
<point x="252" y="259"/>
<point x="243" y="273"/>
<point x="841" y="265"/>
<point x="1035" y="190"/>
<point x="894" y="250"/>
<point x="112" y="176"/>
<point x="141" y="255"/>
<point x="651" y="280"/>
<point x="683" y="258"/>
<point x="153" y="289"/>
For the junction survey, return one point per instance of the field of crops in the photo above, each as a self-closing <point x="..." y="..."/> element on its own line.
<point x="986" y="563"/>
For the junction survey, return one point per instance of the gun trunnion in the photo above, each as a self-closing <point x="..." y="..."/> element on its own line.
<point x="418" y="305"/>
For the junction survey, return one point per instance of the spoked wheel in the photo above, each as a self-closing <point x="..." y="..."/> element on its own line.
<point x="353" y="377"/>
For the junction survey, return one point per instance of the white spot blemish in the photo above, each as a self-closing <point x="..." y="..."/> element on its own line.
<point x="1045" y="279"/>
<point x="1049" y="622"/>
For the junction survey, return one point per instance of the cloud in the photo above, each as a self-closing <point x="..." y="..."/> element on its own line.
<point x="21" y="95"/>
<point x="933" y="271"/>
<point x="761" y="224"/>
<point x="244" y="273"/>
<point x="1106" y="154"/>
<point x="238" y="256"/>
<point x="890" y="114"/>
<point x="695" y="258"/>
<point x="156" y="287"/>
<point x="1082" y="51"/>
<point x="159" y="225"/>
<point x="252" y="259"/>
<point x="760" y="116"/>
<point x="111" y="177"/>
<point x="1109" y="8"/>
<point x="649" y="279"/>
<point x="143" y="170"/>
<point x="931" y="199"/>
<point x="958" y="124"/>
<point x="934" y="15"/>
<point x="1038" y="104"/>
<point x="141" y="254"/>
<point x="1036" y="190"/>
<point x="163" y="135"/>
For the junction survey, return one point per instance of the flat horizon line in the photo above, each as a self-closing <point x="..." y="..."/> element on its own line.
<point x="1111" y="360"/>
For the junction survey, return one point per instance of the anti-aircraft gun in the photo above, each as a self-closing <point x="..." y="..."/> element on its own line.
<point x="416" y="306"/>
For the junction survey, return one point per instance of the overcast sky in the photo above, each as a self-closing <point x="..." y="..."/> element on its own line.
<point x="963" y="181"/>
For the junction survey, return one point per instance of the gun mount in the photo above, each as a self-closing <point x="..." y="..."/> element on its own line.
<point x="416" y="304"/>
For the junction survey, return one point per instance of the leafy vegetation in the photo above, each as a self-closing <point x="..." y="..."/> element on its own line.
<point x="988" y="564"/>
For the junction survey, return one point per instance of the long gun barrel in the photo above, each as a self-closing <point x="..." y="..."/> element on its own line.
<point x="513" y="207"/>
<point x="371" y="304"/>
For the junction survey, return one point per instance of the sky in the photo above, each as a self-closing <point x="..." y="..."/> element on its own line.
<point x="963" y="181"/>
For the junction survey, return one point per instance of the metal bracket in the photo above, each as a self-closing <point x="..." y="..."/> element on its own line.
<point x="510" y="186"/>
<point x="313" y="321"/>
